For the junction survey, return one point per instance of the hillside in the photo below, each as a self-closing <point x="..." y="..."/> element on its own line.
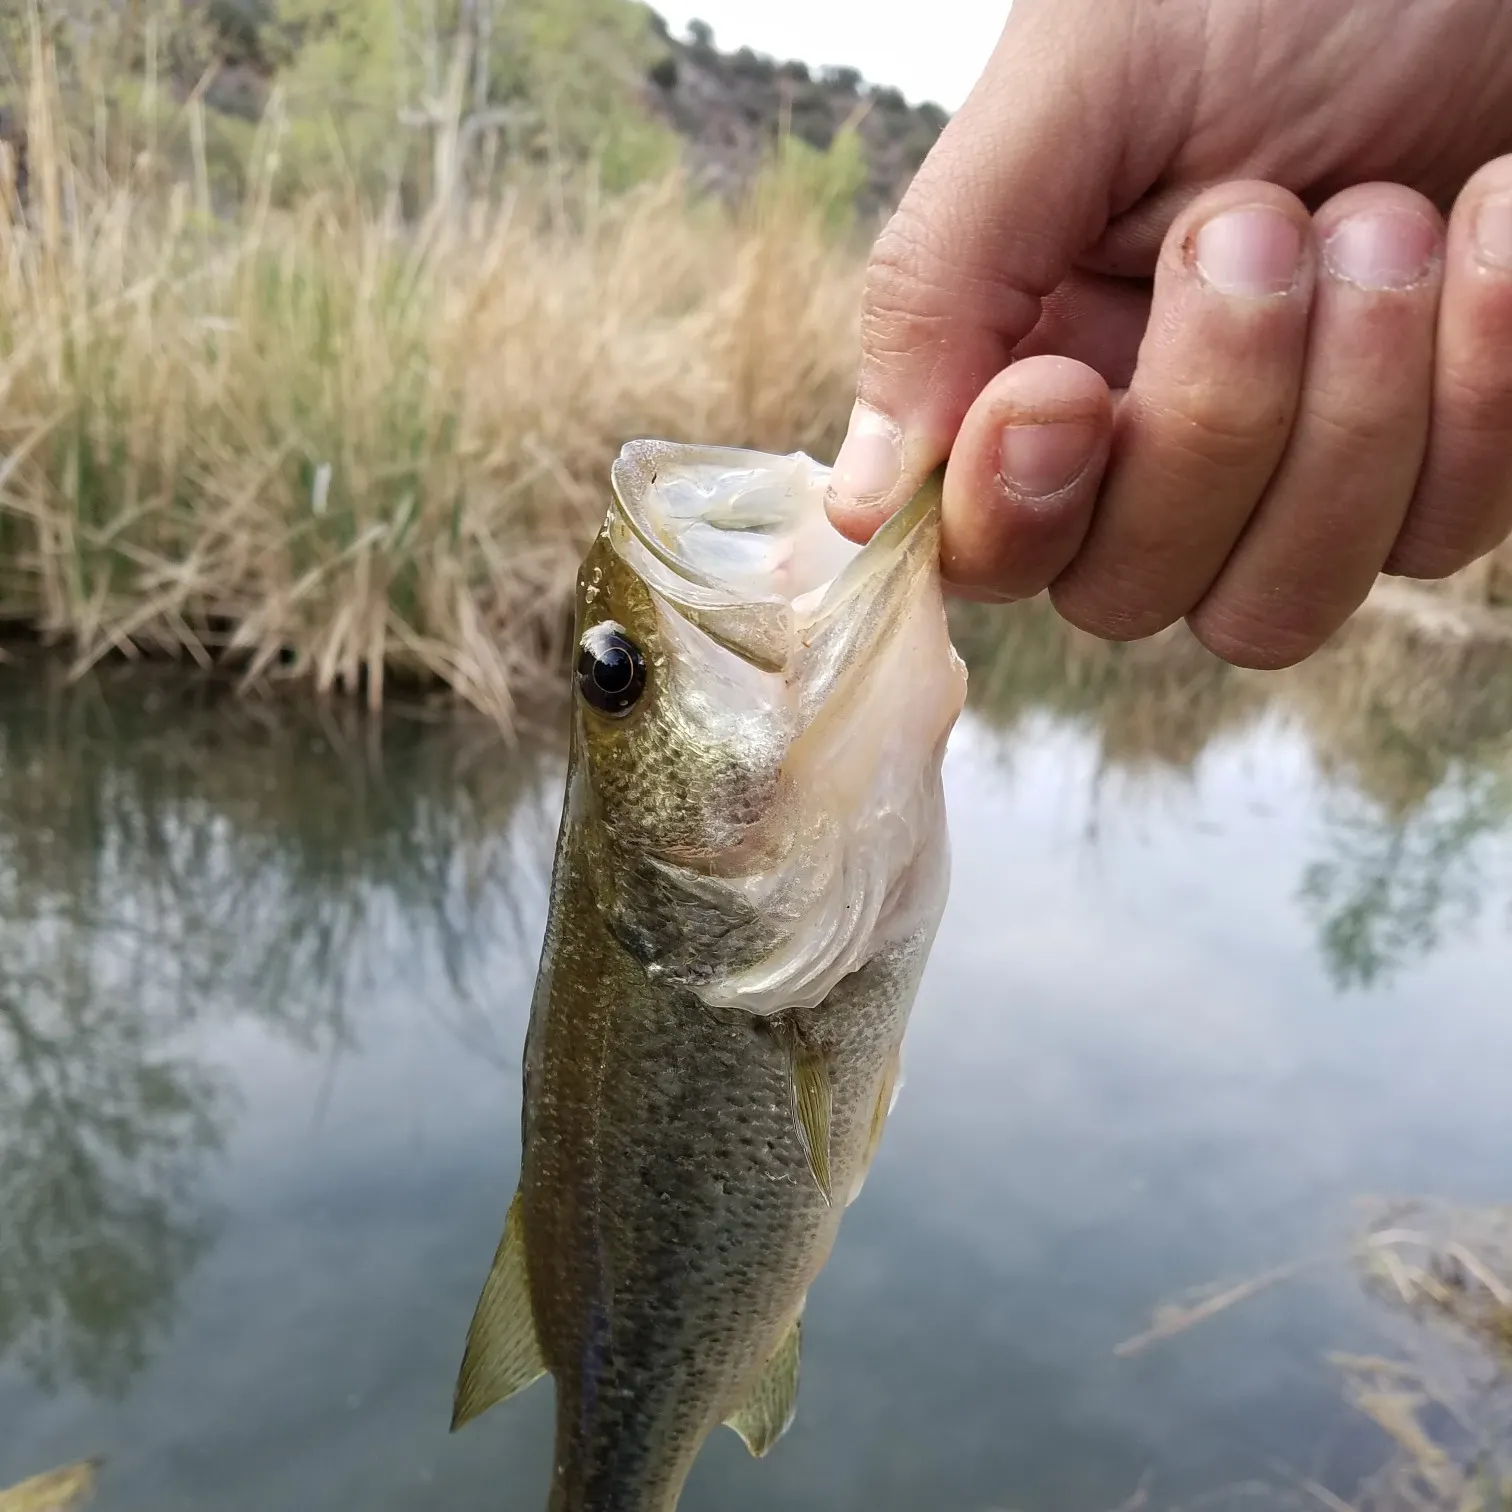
<point x="366" y="88"/>
<point x="727" y="107"/>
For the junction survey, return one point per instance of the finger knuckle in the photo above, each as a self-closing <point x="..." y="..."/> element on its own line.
<point x="1342" y="425"/>
<point x="926" y="279"/>
<point x="1218" y="424"/>
<point x="1474" y="397"/>
<point x="896" y="272"/>
<point x="907" y="308"/>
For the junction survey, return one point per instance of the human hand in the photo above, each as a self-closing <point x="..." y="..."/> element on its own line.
<point x="1175" y="295"/>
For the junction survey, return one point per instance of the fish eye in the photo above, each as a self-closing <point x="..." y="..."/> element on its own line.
<point x="611" y="672"/>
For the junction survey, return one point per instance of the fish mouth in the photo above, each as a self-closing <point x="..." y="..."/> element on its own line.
<point x="738" y="543"/>
<point x="831" y="665"/>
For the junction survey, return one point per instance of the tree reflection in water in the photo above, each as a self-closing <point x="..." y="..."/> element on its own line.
<point x="170" y="860"/>
<point x="1411" y="734"/>
<point x="1395" y="886"/>
<point x="102" y="1132"/>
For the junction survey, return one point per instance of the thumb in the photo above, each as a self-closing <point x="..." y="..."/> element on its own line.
<point x="1045" y="151"/>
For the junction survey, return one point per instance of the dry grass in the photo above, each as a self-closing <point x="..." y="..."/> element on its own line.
<point x="1420" y="1474"/>
<point x="331" y="445"/>
<point x="1443" y="1407"/>
<point x="1450" y="1265"/>
<point x="337" y="447"/>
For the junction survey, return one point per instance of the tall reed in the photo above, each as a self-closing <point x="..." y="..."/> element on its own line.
<point x="337" y="445"/>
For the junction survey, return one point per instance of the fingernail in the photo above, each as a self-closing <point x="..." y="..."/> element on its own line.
<point x="1254" y="252"/>
<point x="1382" y="249"/>
<point x="870" y="460"/>
<point x="1039" y="460"/>
<point x="1493" y="232"/>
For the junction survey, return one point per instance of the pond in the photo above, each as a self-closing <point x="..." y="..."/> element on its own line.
<point x="1225" y="954"/>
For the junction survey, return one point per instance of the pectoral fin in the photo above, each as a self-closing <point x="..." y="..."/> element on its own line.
<point x="766" y="1413"/>
<point x="813" y="1104"/>
<point x="503" y="1355"/>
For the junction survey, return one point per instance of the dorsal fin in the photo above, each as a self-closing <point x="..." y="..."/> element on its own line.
<point x="503" y="1355"/>
<point x="767" y="1411"/>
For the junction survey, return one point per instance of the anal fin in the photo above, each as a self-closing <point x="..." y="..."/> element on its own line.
<point x="765" y="1414"/>
<point x="503" y="1355"/>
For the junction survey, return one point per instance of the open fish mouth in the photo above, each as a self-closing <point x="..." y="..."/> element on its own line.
<point x="738" y="543"/>
<point x="823" y="666"/>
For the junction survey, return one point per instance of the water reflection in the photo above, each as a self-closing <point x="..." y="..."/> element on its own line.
<point x="1394" y="885"/>
<point x="263" y="983"/>
<point x="102" y="1131"/>
<point x="1412" y="731"/>
<point x="1150" y="707"/>
<point x="168" y="855"/>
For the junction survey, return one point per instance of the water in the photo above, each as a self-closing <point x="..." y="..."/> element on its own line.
<point x="1223" y="954"/>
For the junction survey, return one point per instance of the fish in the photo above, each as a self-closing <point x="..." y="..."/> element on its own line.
<point x="750" y="870"/>
<point x="61" y="1490"/>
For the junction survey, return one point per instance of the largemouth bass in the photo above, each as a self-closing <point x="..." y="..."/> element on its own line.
<point x="751" y="866"/>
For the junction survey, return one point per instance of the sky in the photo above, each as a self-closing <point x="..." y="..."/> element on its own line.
<point x="931" y="51"/>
